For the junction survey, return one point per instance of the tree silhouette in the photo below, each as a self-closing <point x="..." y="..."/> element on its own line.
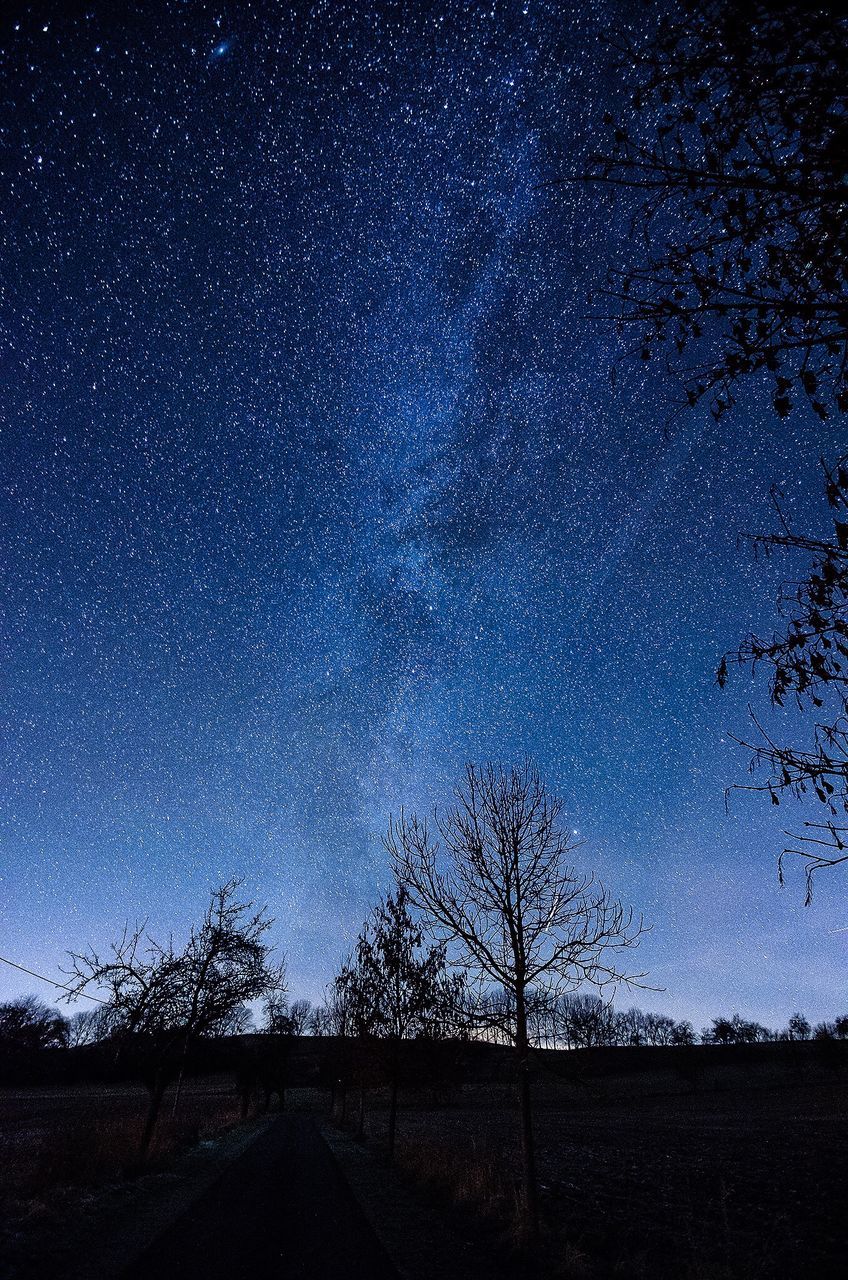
<point x="397" y="988"/>
<point x="493" y="880"/>
<point x="735" y="1030"/>
<point x="736" y="149"/>
<point x="28" y="1024"/>
<point x="807" y="664"/>
<point x="799" y="1027"/>
<point x="162" y="999"/>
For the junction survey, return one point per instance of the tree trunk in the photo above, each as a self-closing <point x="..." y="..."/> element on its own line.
<point x="157" y="1094"/>
<point x="360" y="1128"/>
<point x="393" y="1096"/>
<point x="528" y="1150"/>
<point x="178" y="1091"/>
<point x="179" y="1088"/>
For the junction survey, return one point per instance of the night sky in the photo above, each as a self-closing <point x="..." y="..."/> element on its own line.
<point x="315" y="486"/>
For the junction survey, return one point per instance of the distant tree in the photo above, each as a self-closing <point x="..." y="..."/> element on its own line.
<point x="840" y="1027"/>
<point x="89" y="1026"/>
<point x="540" y="1027"/>
<point x="321" y="1021"/>
<point x="300" y="1013"/>
<point x="799" y="1027"/>
<point x="736" y="150"/>
<point x="586" y="1020"/>
<point x="27" y="1023"/>
<point x="684" y="1033"/>
<point x="824" y="1031"/>
<point x="239" y="1022"/>
<point x="492" y="1014"/>
<point x="494" y="882"/>
<point x="629" y="1027"/>
<point x="735" y="1030"/>
<point x="162" y="999"/>
<point x="277" y="1021"/>
<point x="635" y="1027"/>
<point x="660" y="1029"/>
<point x="720" y="1032"/>
<point x="284" y="1019"/>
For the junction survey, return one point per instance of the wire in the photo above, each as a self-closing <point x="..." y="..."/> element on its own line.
<point x="61" y="985"/>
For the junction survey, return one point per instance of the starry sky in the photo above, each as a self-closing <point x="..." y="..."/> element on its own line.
<point x="315" y="485"/>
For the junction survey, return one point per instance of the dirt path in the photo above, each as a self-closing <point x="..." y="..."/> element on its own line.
<point x="281" y="1210"/>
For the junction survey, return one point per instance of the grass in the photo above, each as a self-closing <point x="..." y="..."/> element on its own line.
<point x="469" y="1178"/>
<point x="94" y="1146"/>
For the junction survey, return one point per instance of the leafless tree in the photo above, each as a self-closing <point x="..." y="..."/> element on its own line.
<point x="585" y="1020"/>
<point x="300" y="1013"/>
<point x="162" y="999"/>
<point x="735" y="1030"/>
<point x="277" y="1014"/>
<point x="239" y="1022"/>
<point x="799" y="1028"/>
<point x="284" y="1019"/>
<point x="88" y="1026"/>
<point x="321" y="1021"/>
<point x="27" y="1023"/>
<point x="493" y="879"/>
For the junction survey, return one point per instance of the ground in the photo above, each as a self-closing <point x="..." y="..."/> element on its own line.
<point x="716" y="1184"/>
<point x="714" y="1179"/>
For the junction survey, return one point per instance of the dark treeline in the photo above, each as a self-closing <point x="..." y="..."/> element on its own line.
<point x="577" y="1020"/>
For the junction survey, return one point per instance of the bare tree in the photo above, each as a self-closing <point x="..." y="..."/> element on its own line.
<point x="301" y="1013"/>
<point x="684" y="1033"/>
<point x="284" y="1019"/>
<point x="735" y="1030"/>
<point x="356" y="1005"/>
<point x="736" y="149"/>
<point x="162" y="999"/>
<point x="321" y="1021"/>
<point x="277" y="1014"/>
<point x="799" y="1028"/>
<point x="492" y="877"/>
<point x="586" y="1020"/>
<point x="27" y="1023"/>
<point x="88" y="1026"/>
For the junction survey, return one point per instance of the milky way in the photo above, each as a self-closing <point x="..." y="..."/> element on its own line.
<point x="315" y="484"/>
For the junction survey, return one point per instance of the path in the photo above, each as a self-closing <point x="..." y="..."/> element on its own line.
<point x="281" y="1210"/>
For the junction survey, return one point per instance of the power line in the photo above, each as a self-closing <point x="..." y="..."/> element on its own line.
<point x="61" y="985"/>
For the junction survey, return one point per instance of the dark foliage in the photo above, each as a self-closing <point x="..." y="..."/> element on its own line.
<point x="396" y="988"/>
<point x="807" y="664"/>
<point x="737" y="154"/>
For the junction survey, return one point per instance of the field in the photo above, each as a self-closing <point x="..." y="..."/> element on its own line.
<point x="89" y="1135"/>
<point x="69" y="1169"/>
<point x="737" y="1169"/>
<point x="721" y="1184"/>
